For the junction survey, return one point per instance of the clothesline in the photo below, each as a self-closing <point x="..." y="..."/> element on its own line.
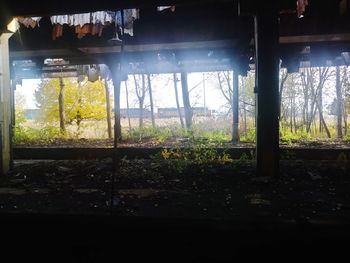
<point x="93" y="23"/>
<point x="86" y="23"/>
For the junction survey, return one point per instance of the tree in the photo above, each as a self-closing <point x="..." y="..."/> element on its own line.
<point x="141" y="94"/>
<point x="20" y="102"/>
<point x="127" y="103"/>
<point x="186" y="101"/>
<point x="225" y="86"/>
<point x="151" y="99"/>
<point x="61" y="107"/>
<point x="82" y="102"/>
<point x="247" y="99"/>
<point x="283" y="79"/>
<point x="339" y="103"/>
<point x="177" y="99"/>
<point x="313" y="81"/>
<point x="108" y="109"/>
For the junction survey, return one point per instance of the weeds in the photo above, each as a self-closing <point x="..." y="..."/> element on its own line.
<point x="200" y="156"/>
<point x="46" y="135"/>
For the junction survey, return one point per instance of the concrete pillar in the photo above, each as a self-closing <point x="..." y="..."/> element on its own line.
<point x="5" y="104"/>
<point x="267" y="70"/>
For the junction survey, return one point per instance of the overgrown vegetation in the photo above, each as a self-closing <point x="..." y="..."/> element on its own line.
<point x="314" y="107"/>
<point x="199" y="156"/>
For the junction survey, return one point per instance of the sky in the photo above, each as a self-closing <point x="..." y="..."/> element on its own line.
<point x="163" y="92"/>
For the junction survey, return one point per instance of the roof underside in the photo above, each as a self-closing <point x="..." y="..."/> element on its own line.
<point x="199" y="36"/>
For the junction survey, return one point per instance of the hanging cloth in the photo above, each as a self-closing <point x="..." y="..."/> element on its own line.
<point x="58" y="22"/>
<point x="130" y="15"/>
<point x="301" y="6"/>
<point x="29" y="21"/>
<point x="162" y="8"/>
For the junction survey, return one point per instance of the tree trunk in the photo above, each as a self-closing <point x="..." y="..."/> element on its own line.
<point x="282" y="81"/>
<point x="151" y="99"/>
<point x="108" y="110"/>
<point x="177" y="101"/>
<point x="186" y="100"/>
<point x="294" y="114"/>
<point x="345" y="121"/>
<point x="61" y="107"/>
<point x="320" y="109"/>
<point x="235" y="108"/>
<point x="291" y="115"/>
<point x="141" y="101"/>
<point x="79" y="118"/>
<point x="323" y="121"/>
<point x="127" y="104"/>
<point x="339" y="103"/>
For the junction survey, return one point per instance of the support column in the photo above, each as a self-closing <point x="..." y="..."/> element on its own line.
<point x="5" y="105"/>
<point x="235" y="107"/>
<point x="116" y="78"/>
<point x="267" y="70"/>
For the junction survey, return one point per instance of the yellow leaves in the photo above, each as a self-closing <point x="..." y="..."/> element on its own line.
<point x="166" y="154"/>
<point x="84" y="102"/>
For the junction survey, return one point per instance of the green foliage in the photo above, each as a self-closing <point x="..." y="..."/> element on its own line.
<point x="162" y="134"/>
<point x="200" y="156"/>
<point x="342" y="157"/>
<point x="140" y="135"/>
<point x="346" y="138"/>
<point x="46" y="135"/>
<point x="212" y="137"/>
<point x="288" y="138"/>
<point x="250" y="137"/>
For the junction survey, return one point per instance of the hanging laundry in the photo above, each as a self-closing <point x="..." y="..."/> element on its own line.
<point x="301" y="6"/>
<point x="58" y="22"/>
<point x="29" y="21"/>
<point x="162" y="8"/>
<point x="85" y="23"/>
<point x="57" y="31"/>
<point x="102" y="17"/>
<point x="130" y="15"/>
<point x="65" y="19"/>
<point x="82" y="31"/>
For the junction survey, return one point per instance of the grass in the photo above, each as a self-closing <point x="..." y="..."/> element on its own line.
<point x="210" y="133"/>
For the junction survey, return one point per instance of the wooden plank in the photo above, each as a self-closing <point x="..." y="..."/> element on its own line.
<point x="52" y="153"/>
<point x="308" y="39"/>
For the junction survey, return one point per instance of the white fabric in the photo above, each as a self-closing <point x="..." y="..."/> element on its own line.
<point x="102" y="17"/>
<point x="80" y="19"/>
<point x="65" y="19"/>
<point x="161" y="8"/>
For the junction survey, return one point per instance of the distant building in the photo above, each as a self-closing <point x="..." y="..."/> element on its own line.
<point x="173" y="112"/>
<point x="134" y="113"/>
<point x="31" y="114"/>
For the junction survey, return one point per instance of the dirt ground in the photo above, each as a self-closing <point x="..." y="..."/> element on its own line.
<point x="304" y="191"/>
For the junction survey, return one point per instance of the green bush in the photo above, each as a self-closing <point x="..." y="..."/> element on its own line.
<point x="199" y="155"/>
<point x="346" y="138"/>
<point x="29" y="135"/>
<point x="288" y="138"/>
<point x="158" y="135"/>
<point x="250" y="137"/>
